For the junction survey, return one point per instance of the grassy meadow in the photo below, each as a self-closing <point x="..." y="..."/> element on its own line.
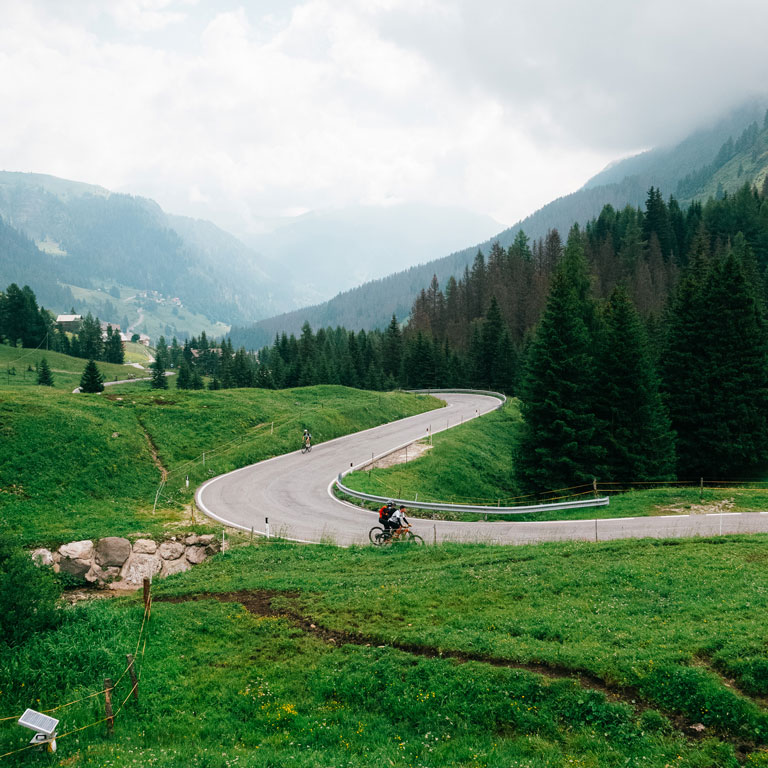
<point x="86" y="466"/>
<point x="603" y="655"/>
<point x="18" y="368"/>
<point x="472" y="464"/>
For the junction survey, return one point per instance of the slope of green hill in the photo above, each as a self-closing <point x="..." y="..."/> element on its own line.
<point x="87" y="466"/>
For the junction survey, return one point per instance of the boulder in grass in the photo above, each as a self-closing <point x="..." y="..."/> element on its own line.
<point x="74" y="566"/>
<point x="171" y="550"/>
<point x="77" y="550"/>
<point x="144" y="547"/>
<point x="112" y="551"/>
<point x="196" y="555"/>
<point x="175" y="566"/>
<point x="139" y="567"/>
<point x="43" y="556"/>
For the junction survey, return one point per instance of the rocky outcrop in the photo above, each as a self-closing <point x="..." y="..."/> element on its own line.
<point x="115" y="562"/>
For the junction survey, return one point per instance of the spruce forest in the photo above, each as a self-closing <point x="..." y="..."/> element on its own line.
<point x="637" y="344"/>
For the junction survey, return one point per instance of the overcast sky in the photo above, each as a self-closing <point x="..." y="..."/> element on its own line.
<point x="238" y="110"/>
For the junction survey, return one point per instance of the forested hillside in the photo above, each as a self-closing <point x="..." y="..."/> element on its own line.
<point x="709" y="162"/>
<point x="93" y="239"/>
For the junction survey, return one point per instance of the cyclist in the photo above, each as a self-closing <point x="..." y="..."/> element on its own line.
<point x="385" y="515"/>
<point x="397" y="521"/>
<point x="306" y="438"/>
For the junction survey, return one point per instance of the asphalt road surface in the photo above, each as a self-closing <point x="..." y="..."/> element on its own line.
<point x="292" y="492"/>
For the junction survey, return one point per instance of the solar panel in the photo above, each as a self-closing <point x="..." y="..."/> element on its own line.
<point x="39" y="722"/>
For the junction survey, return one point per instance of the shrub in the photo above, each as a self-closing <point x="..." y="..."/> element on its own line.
<point x="29" y="597"/>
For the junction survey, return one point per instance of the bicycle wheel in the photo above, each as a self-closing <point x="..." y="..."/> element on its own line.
<point x="414" y="538"/>
<point x="374" y="534"/>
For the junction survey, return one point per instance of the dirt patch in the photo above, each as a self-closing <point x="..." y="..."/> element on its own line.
<point x="153" y="451"/>
<point x="713" y="508"/>
<point x="403" y="455"/>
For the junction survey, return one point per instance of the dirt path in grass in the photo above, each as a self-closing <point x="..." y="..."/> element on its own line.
<point x="259" y="603"/>
<point x="153" y="451"/>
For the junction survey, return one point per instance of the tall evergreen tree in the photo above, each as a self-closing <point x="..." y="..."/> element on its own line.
<point x="637" y="436"/>
<point x="183" y="376"/>
<point x="559" y="444"/>
<point x="91" y="381"/>
<point x="716" y="373"/>
<point x="159" y="379"/>
<point x="44" y="375"/>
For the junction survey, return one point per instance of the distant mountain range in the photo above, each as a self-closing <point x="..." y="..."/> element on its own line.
<point x="712" y="160"/>
<point x="125" y="259"/>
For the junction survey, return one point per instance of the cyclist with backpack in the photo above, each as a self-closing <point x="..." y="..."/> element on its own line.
<point x="385" y="515"/>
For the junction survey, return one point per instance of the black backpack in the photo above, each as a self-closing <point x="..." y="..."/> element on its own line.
<point x="385" y="513"/>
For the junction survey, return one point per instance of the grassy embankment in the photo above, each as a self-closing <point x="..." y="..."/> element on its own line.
<point x="82" y="466"/>
<point x="473" y="464"/>
<point x="599" y="655"/>
<point x="17" y="367"/>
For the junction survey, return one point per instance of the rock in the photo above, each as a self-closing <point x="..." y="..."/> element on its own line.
<point x="144" y="547"/>
<point x="74" y="566"/>
<point x="196" y="555"/>
<point x="205" y="539"/>
<point x="171" y="550"/>
<point x="98" y="575"/>
<point x="175" y="566"/>
<point x="112" y="551"/>
<point x="191" y="540"/>
<point x="43" y="556"/>
<point x="77" y="550"/>
<point x="139" y="567"/>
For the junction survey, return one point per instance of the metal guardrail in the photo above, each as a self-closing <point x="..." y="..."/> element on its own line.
<point x="602" y="501"/>
<point x="488" y="392"/>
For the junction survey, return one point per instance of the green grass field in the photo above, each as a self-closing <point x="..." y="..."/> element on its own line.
<point x="81" y="466"/>
<point x="473" y="464"/>
<point x="603" y="655"/>
<point x="17" y="369"/>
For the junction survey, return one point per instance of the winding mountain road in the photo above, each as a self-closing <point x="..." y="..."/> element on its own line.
<point x="292" y="491"/>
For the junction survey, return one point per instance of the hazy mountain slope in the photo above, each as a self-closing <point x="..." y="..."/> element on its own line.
<point x="624" y="183"/>
<point x="96" y="238"/>
<point x="23" y="263"/>
<point x="324" y="252"/>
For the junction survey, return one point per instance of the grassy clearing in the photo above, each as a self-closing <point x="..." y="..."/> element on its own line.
<point x="66" y="370"/>
<point x="223" y="687"/>
<point x="81" y="466"/>
<point x="472" y="464"/>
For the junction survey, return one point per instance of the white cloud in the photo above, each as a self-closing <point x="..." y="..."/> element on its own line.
<point x="234" y="111"/>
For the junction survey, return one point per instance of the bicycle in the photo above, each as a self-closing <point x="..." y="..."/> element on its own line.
<point x="380" y="537"/>
<point x="306" y="446"/>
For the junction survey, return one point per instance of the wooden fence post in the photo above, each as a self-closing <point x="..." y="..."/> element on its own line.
<point x="147" y="593"/>
<point x="132" y="673"/>
<point x="108" y="687"/>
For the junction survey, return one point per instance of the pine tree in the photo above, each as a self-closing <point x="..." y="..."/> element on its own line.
<point x="183" y="376"/>
<point x="637" y="436"/>
<point x="392" y="350"/>
<point x="716" y="373"/>
<point x="559" y="437"/>
<point x="91" y="381"/>
<point x="44" y="375"/>
<point x="159" y="379"/>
